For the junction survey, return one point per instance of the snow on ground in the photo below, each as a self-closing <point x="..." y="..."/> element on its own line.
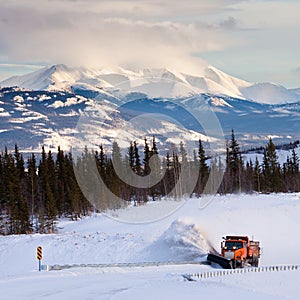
<point x="185" y="235"/>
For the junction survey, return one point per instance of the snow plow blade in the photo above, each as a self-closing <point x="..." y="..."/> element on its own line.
<point x="220" y="260"/>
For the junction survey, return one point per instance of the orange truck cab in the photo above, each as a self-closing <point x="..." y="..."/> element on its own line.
<point x="240" y="250"/>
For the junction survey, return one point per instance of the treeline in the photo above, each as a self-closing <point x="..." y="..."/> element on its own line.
<point x="33" y="194"/>
<point x="266" y="177"/>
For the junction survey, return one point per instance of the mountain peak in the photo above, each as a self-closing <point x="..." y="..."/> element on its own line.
<point x="59" y="67"/>
<point x="155" y="82"/>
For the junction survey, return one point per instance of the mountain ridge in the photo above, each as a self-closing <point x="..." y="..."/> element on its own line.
<point x="34" y="118"/>
<point x="46" y="106"/>
<point x="152" y="82"/>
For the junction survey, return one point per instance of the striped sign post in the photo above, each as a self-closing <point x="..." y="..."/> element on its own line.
<point x="39" y="255"/>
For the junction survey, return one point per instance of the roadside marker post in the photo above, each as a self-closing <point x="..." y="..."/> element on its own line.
<point x="39" y="256"/>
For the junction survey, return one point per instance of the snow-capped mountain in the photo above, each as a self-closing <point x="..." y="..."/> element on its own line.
<point x="47" y="106"/>
<point x="152" y="82"/>
<point x="54" y="118"/>
<point x="57" y="77"/>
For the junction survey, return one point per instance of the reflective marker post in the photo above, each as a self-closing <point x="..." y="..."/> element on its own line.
<point x="39" y="256"/>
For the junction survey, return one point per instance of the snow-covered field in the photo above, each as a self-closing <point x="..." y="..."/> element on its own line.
<point x="187" y="234"/>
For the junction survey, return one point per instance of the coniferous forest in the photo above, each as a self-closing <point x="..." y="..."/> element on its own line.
<point x="36" y="192"/>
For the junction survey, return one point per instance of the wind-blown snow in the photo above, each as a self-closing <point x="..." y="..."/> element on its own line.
<point x="185" y="240"/>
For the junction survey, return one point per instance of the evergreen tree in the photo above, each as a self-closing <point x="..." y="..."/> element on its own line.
<point x="235" y="164"/>
<point x="203" y="168"/>
<point x="19" y="216"/>
<point x="226" y="185"/>
<point x="2" y="187"/>
<point x="176" y="171"/>
<point x="168" y="180"/>
<point x="116" y="173"/>
<point x="156" y="163"/>
<point x="63" y="203"/>
<point x="291" y="173"/>
<point x="147" y="155"/>
<point x="101" y="163"/>
<point x="271" y="169"/>
<point x="185" y="171"/>
<point x="249" y="177"/>
<point x="257" y="176"/>
<point x="131" y="156"/>
<point x="137" y="160"/>
<point x="155" y="190"/>
<point x="295" y="162"/>
<point x="47" y="208"/>
<point x="32" y="187"/>
<point x="19" y="164"/>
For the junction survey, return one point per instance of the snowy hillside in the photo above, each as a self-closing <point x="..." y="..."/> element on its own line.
<point x="186" y="235"/>
<point x="50" y="118"/>
<point x="45" y="107"/>
<point x="297" y="91"/>
<point x="57" y="77"/>
<point x="153" y="82"/>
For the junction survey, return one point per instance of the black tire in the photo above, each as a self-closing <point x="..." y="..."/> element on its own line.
<point x="255" y="262"/>
<point x="234" y="264"/>
<point x="243" y="263"/>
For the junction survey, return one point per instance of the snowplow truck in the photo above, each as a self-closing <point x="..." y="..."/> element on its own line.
<point x="236" y="252"/>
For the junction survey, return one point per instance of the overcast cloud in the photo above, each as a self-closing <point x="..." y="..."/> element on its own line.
<point x="139" y="33"/>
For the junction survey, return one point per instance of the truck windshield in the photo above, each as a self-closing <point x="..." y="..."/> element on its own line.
<point x="233" y="245"/>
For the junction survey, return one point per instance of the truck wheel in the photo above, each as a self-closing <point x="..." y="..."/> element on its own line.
<point x="234" y="264"/>
<point x="255" y="262"/>
<point x="243" y="263"/>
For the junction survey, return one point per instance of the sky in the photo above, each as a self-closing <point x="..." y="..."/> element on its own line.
<point x="254" y="40"/>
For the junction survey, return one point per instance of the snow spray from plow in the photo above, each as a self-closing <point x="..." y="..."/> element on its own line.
<point x="221" y="273"/>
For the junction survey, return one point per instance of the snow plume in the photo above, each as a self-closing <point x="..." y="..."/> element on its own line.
<point x="185" y="241"/>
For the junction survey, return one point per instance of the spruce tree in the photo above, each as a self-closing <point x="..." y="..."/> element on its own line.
<point x="271" y="169"/>
<point x="177" y="194"/>
<point x="131" y="156"/>
<point x="257" y="176"/>
<point x="137" y="160"/>
<point x="63" y="204"/>
<point x="32" y="187"/>
<point x="168" y="179"/>
<point x="235" y="164"/>
<point x="18" y="206"/>
<point x="147" y="155"/>
<point x="203" y="168"/>
<point x="47" y="208"/>
<point x="155" y="190"/>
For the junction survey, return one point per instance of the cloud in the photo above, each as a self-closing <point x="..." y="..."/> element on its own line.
<point x="154" y="33"/>
<point x="135" y="33"/>
<point x="229" y="23"/>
